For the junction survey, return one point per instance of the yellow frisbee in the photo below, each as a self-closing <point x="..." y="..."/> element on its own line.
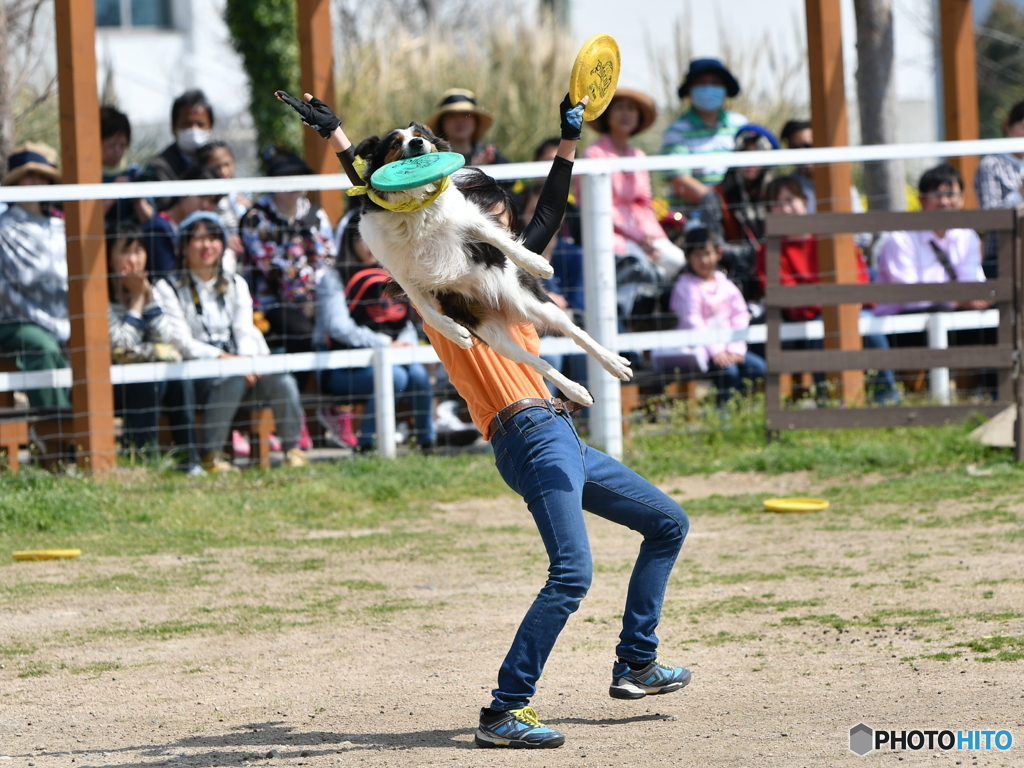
<point x="46" y="554"/>
<point x="795" y="505"/>
<point x="595" y="73"/>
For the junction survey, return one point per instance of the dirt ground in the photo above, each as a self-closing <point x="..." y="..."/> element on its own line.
<point x="378" y="647"/>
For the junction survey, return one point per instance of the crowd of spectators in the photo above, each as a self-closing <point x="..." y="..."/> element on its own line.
<point x="217" y="276"/>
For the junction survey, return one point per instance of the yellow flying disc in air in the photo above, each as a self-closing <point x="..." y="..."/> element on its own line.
<point x="795" y="505"/>
<point x="595" y="73"/>
<point x="46" y="554"/>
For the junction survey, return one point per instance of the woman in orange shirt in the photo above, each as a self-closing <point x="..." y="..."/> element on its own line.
<point x="540" y="456"/>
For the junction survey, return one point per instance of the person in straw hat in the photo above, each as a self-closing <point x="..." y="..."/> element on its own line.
<point x="34" y="275"/>
<point x="462" y="124"/>
<point x="637" y="231"/>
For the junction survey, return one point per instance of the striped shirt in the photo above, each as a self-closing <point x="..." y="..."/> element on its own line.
<point x="998" y="183"/>
<point x="690" y="135"/>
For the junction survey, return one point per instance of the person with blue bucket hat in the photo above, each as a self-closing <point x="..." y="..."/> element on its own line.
<point x="706" y="127"/>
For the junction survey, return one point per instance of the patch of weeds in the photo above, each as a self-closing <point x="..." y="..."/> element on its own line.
<point x="34" y="669"/>
<point x="96" y="668"/>
<point x="17" y="649"/>
<point x="1009" y="647"/>
<point x="942" y="656"/>
<point x="988" y="594"/>
<point x="814" y="572"/>
<point x="721" y="638"/>
<point x="359" y="584"/>
<point x="741" y="604"/>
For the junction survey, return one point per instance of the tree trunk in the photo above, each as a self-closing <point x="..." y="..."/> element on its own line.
<point x="6" y="97"/>
<point x="876" y="95"/>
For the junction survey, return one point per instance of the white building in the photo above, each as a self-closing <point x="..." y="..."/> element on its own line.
<point x="151" y="51"/>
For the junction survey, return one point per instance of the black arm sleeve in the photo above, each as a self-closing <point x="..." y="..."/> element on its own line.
<point x="346" y="157"/>
<point x="547" y="217"/>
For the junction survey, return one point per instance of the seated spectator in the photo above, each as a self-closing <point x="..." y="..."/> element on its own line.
<point x="289" y="245"/>
<point x="191" y="123"/>
<point x="999" y="183"/>
<point x="354" y="312"/>
<point x="218" y="157"/>
<point x="212" y="312"/>
<point x="744" y="206"/>
<point x="34" y="321"/>
<point x="796" y="134"/>
<point x="799" y="266"/>
<point x="161" y="231"/>
<point x="116" y="137"/>
<point x="705" y="298"/>
<point x="952" y="255"/>
<point x="460" y="122"/>
<point x="141" y="332"/>
<point x="706" y="127"/>
<point x="637" y="231"/>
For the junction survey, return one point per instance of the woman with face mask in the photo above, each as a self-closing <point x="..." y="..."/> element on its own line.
<point x="707" y="127"/>
<point x="191" y="123"/>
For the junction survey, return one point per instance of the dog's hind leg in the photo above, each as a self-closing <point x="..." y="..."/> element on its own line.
<point x="451" y="330"/>
<point x="485" y="230"/>
<point x="496" y="336"/>
<point x="551" y="316"/>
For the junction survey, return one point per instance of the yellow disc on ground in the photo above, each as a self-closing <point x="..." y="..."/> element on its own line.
<point x="595" y="73"/>
<point x="795" y="505"/>
<point x="46" y="554"/>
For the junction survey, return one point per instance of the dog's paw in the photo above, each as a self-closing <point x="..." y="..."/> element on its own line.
<point x="619" y="367"/>
<point x="577" y="394"/>
<point x="461" y="336"/>
<point x="541" y="269"/>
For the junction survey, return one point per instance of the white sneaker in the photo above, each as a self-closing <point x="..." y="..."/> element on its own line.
<point x="447" y="418"/>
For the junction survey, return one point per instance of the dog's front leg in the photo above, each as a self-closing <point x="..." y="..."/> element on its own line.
<point x="487" y="231"/>
<point x="424" y="303"/>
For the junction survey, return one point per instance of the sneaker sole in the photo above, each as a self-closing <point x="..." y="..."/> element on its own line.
<point x="634" y="691"/>
<point x="487" y="741"/>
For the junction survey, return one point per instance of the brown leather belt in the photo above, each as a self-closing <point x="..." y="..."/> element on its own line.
<point x="556" y="404"/>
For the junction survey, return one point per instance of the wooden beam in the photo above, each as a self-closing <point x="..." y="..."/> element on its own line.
<point x="91" y="393"/>
<point x="837" y="256"/>
<point x="960" y="85"/>
<point x="316" y="58"/>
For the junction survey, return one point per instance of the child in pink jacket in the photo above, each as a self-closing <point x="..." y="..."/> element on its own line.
<point x="704" y="298"/>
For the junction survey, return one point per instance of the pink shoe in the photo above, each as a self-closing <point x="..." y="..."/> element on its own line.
<point x="305" y="441"/>
<point x="274" y="442"/>
<point x="346" y="433"/>
<point x="239" y="444"/>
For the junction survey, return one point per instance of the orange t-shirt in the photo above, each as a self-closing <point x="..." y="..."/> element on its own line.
<point x="487" y="380"/>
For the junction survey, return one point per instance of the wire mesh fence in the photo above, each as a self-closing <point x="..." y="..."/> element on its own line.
<point x="240" y="324"/>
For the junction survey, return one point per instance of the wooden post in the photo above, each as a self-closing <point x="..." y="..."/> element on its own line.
<point x="316" y="57"/>
<point x="91" y="394"/>
<point x="960" y="85"/>
<point x="837" y="256"/>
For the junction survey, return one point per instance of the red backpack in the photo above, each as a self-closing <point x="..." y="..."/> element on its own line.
<point x="371" y="307"/>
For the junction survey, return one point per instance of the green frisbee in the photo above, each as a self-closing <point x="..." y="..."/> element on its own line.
<point x="416" y="171"/>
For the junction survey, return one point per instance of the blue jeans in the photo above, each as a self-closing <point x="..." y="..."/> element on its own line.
<point x="540" y="456"/>
<point x="412" y="379"/>
<point x="737" y="377"/>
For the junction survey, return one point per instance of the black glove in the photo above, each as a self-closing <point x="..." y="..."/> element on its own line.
<point x="314" y="113"/>
<point x="572" y="119"/>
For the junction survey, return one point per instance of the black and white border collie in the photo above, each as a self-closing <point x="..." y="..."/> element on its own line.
<point x="460" y="288"/>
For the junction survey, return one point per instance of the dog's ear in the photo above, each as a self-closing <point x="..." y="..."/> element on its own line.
<point x="440" y="144"/>
<point x="367" y="147"/>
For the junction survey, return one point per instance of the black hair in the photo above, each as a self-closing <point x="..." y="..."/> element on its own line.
<point x="700" y="235"/>
<point x="1016" y="114"/>
<point x="198" y="172"/>
<point x="791" y="127"/>
<point x="204" y="152"/>
<point x="128" y="231"/>
<point x="188" y="100"/>
<point x="554" y="141"/>
<point x="790" y="182"/>
<point x="113" y="122"/>
<point x="935" y="177"/>
<point x="281" y="161"/>
<point x="486" y="193"/>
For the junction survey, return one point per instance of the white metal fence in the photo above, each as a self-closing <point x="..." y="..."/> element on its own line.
<point x="599" y="280"/>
